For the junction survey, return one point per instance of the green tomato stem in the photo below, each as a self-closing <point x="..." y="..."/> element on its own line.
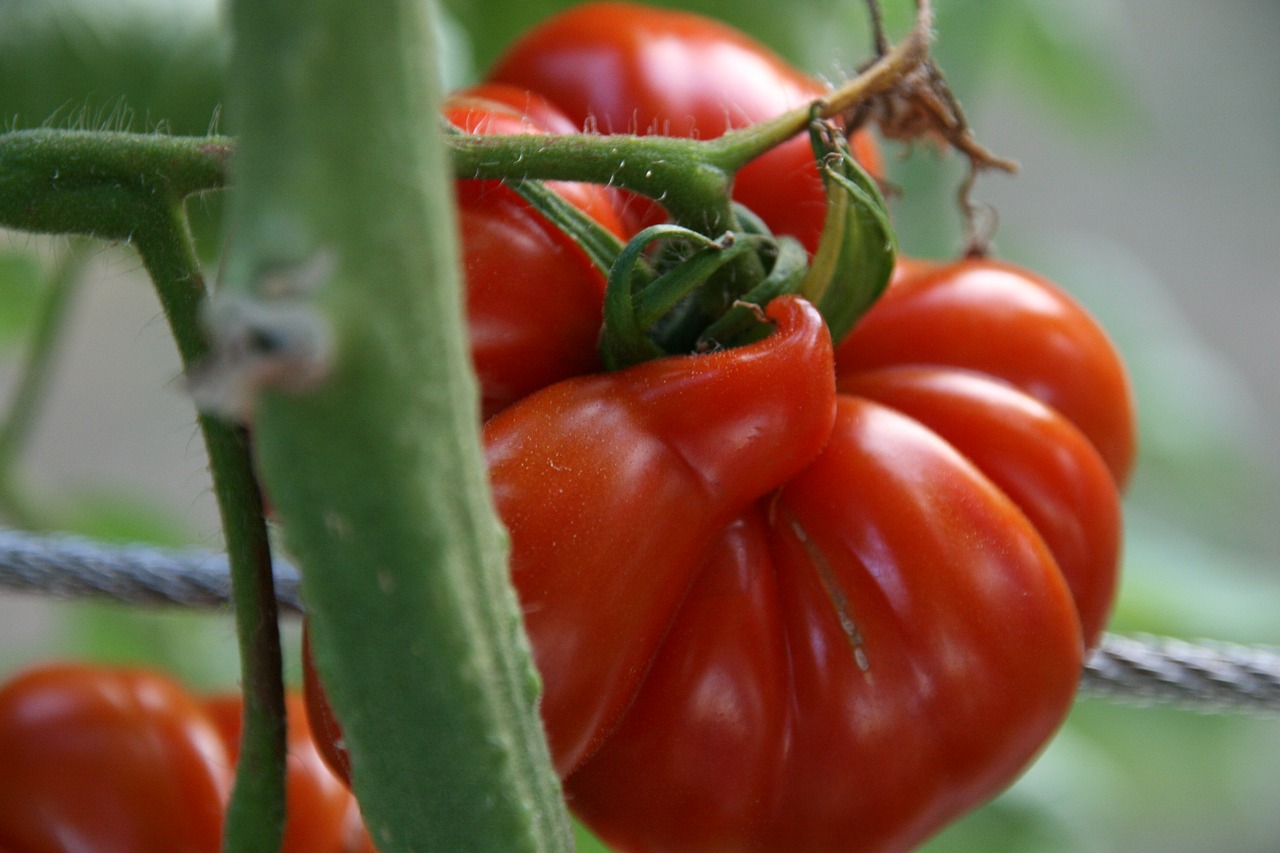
<point x="98" y="183"/>
<point x="674" y="172"/>
<point x="735" y="149"/>
<point x="343" y="298"/>
<point x="256" y="813"/>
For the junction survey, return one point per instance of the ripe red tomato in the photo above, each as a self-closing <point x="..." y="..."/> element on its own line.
<point x="625" y="68"/>
<point x="111" y="761"/>
<point x="1002" y="321"/>
<point x="774" y="614"/>
<point x="96" y="760"/>
<point x="534" y="298"/>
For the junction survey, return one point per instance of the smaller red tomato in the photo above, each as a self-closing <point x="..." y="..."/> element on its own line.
<point x="108" y="761"/>
<point x="102" y="760"/>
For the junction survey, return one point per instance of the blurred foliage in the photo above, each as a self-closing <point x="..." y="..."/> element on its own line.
<point x="133" y="65"/>
<point x="1117" y="777"/>
<point x="22" y="285"/>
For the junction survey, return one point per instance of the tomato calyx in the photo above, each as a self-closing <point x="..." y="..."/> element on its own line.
<point x="856" y="251"/>
<point x="650" y="312"/>
<point x="702" y="294"/>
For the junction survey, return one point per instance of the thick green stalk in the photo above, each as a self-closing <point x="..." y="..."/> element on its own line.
<point x="678" y="173"/>
<point x="343" y="325"/>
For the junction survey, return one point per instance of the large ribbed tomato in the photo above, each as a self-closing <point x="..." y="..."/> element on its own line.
<point x="886" y="640"/>
<point x="787" y="600"/>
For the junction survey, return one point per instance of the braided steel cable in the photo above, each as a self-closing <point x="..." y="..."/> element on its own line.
<point x="1208" y="676"/>
<point x="70" y="567"/>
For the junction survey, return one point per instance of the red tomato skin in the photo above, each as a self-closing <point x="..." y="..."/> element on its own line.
<point x="1032" y="454"/>
<point x="94" y="760"/>
<point x="693" y="763"/>
<point x="626" y="68"/>
<point x="318" y="803"/>
<point x="534" y="299"/>
<point x="324" y="724"/>
<point x="835" y="679"/>
<point x="1005" y="322"/>
<point x="645" y="465"/>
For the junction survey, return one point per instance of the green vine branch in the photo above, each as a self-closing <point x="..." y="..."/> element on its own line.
<point x="132" y="187"/>
<point x="101" y="184"/>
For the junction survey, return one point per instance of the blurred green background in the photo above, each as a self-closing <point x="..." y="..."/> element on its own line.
<point x="1148" y="135"/>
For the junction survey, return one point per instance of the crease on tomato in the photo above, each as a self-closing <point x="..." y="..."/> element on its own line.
<point x="841" y="605"/>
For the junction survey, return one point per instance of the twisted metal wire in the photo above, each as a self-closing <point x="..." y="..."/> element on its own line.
<point x="1208" y="676"/>
<point x="70" y="567"/>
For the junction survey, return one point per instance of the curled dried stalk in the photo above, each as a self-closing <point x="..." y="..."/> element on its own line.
<point x="921" y="105"/>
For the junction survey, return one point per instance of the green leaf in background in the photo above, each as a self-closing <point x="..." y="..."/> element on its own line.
<point x="112" y="515"/>
<point x="1180" y="583"/>
<point x="1065" y="55"/>
<point x="137" y="65"/>
<point x="196" y="647"/>
<point x="22" y="287"/>
<point x="1138" y="779"/>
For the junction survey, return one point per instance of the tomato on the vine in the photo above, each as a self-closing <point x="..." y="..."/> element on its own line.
<point x="110" y="760"/>
<point x="782" y="602"/>
<point x="625" y="68"/>
<point x="886" y="640"/>
<point x="795" y="595"/>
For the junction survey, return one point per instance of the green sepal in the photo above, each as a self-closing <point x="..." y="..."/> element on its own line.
<point x="856" y="251"/>
<point x="635" y="302"/>
<point x="741" y="324"/>
<point x="598" y="242"/>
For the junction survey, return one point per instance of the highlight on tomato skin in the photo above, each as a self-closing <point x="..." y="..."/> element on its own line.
<point x="117" y="761"/>
<point x="106" y="759"/>
<point x="626" y="68"/>
<point x="1003" y="321"/>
